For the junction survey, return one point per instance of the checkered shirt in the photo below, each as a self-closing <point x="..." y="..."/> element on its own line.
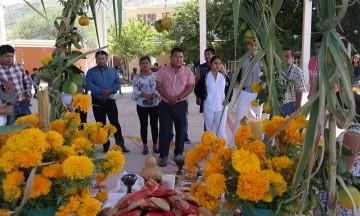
<point x="297" y="75"/>
<point x="15" y="73"/>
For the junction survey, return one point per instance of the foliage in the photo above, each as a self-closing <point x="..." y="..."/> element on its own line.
<point x="219" y="35"/>
<point x="252" y="174"/>
<point x="349" y="26"/>
<point x="57" y="168"/>
<point x="138" y="38"/>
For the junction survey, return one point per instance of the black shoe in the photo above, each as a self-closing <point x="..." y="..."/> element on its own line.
<point x="162" y="162"/>
<point x="125" y="150"/>
<point x="187" y="141"/>
<point x="145" y="150"/>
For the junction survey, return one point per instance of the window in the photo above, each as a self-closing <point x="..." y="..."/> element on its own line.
<point x="148" y="17"/>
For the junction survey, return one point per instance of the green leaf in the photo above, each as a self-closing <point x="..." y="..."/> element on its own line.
<point x="341" y="166"/>
<point x="10" y="128"/>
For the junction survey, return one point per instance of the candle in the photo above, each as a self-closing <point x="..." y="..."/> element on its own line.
<point x="256" y="128"/>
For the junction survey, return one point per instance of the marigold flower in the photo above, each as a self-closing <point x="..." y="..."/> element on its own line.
<point x="215" y="185"/>
<point x="244" y="161"/>
<point x="41" y="186"/>
<point x="114" y="163"/>
<point x="27" y="159"/>
<point x="242" y="136"/>
<point x="89" y="206"/>
<point x="29" y="140"/>
<point x="10" y="185"/>
<point x="196" y="155"/>
<point x="256" y="87"/>
<point x="32" y="119"/>
<point x="214" y="164"/>
<point x="301" y="122"/>
<point x="116" y="148"/>
<point x="81" y="146"/>
<point x="100" y="177"/>
<point x="53" y="171"/>
<point x="102" y="196"/>
<point x="253" y="185"/>
<point x="257" y="147"/>
<point x="71" y="207"/>
<point x="7" y="161"/>
<point x="78" y="167"/>
<point x="277" y="180"/>
<point x="81" y="102"/>
<point x="110" y="128"/>
<point x="96" y="133"/>
<point x="208" y="138"/>
<point x="254" y="103"/>
<point x="58" y="126"/>
<point x="55" y="139"/>
<point x="279" y="164"/>
<point x="205" y="200"/>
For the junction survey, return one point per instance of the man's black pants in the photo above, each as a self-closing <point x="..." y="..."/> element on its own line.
<point x="169" y="115"/>
<point x="108" y="108"/>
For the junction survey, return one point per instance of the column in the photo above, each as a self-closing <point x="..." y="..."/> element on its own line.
<point x="2" y="26"/>
<point x="101" y="25"/>
<point x="202" y="23"/>
<point x="306" y="39"/>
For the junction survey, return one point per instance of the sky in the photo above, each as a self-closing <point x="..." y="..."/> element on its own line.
<point x="10" y="2"/>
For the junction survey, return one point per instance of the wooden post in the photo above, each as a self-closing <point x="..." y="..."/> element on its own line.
<point x="43" y="108"/>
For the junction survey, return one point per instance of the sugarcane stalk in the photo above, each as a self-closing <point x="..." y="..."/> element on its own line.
<point x="43" y="108"/>
<point x="332" y="165"/>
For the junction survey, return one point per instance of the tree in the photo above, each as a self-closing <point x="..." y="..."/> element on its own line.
<point x="35" y="26"/>
<point x="138" y="38"/>
<point x="350" y="26"/>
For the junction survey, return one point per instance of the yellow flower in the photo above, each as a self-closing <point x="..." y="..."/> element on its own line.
<point x="255" y="103"/>
<point x="10" y="185"/>
<point x="81" y="102"/>
<point x="78" y="167"/>
<point x="58" y="126"/>
<point x="71" y="207"/>
<point x="208" y="138"/>
<point x="96" y="133"/>
<point x="32" y="119"/>
<point x="321" y="143"/>
<point x="215" y="185"/>
<point x="279" y="164"/>
<point x="41" y="186"/>
<point x="253" y="185"/>
<point x="257" y="147"/>
<point x="89" y="206"/>
<point x="7" y="161"/>
<point x="102" y="196"/>
<point x="55" y="139"/>
<point x="193" y="189"/>
<point x="73" y="119"/>
<point x="3" y="212"/>
<point x="277" y="180"/>
<point x="244" y="161"/>
<point x="242" y="136"/>
<point x="301" y="122"/>
<point x="196" y="155"/>
<point x="116" y="148"/>
<point x="100" y="177"/>
<point x="354" y="89"/>
<point x="214" y="164"/>
<point x="46" y="59"/>
<point x="225" y="153"/>
<point x="53" y="171"/>
<point x="110" y="128"/>
<point x="81" y="146"/>
<point x="27" y="159"/>
<point x="114" y="163"/>
<point x="273" y="125"/>
<point x="65" y="151"/>
<point x="256" y="87"/>
<point x="28" y="140"/>
<point x="205" y="200"/>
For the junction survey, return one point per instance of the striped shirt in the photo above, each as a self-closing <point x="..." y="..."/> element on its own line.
<point x="174" y="83"/>
<point x="15" y="73"/>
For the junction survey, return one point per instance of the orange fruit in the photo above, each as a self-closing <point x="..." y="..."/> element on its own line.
<point x="248" y="35"/>
<point x="166" y="23"/>
<point x="267" y="107"/>
<point x="158" y="26"/>
<point x="345" y="200"/>
<point x="84" y="21"/>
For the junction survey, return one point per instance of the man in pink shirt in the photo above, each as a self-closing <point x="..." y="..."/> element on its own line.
<point x="174" y="82"/>
<point x="313" y="66"/>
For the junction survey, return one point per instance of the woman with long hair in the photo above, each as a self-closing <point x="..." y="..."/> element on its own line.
<point x="147" y="100"/>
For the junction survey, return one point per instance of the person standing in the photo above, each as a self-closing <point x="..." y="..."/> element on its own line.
<point x="356" y="64"/>
<point x="174" y="82"/>
<point x="212" y="89"/>
<point x="313" y="66"/>
<point x="36" y="81"/>
<point x="147" y="100"/>
<point x="293" y="96"/>
<point x="15" y="73"/>
<point x="246" y="94"/>
<point x="103" y="82"/>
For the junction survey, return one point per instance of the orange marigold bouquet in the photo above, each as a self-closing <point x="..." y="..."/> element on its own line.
<point x="57" y="168"/>
<point x="252" y="174"/>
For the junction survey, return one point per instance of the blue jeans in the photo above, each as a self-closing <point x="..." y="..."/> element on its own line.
<point x="287" y="109"/>
<point x="20" y="110"/>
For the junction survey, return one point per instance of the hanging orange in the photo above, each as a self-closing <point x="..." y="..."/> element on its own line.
<point x="84" y="21"/>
